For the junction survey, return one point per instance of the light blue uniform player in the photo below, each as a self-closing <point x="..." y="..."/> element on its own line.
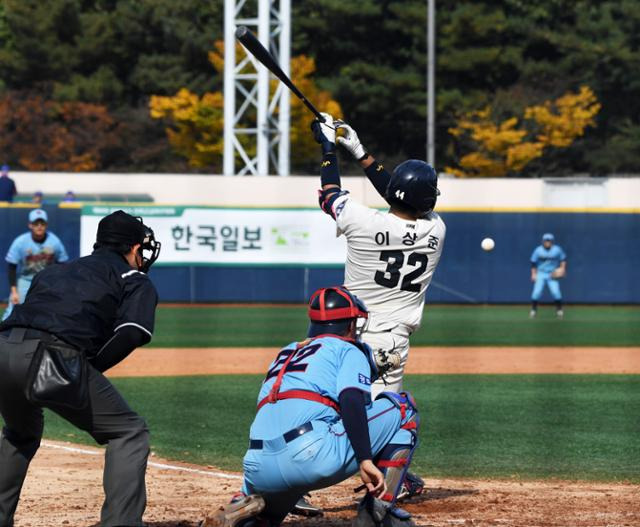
<point x="548" y="264"/>
<point x="316" y="425"/>
<point x="29" y="254"/>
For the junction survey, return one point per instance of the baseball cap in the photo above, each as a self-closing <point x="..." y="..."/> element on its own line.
<point x="38" y="214"/>
<point x="547" y="236"/>
<point x="120" y="227"/>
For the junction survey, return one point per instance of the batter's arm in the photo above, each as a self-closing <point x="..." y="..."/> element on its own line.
<point x="376" y="173"/>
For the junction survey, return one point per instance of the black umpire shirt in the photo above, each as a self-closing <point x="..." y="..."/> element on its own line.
<point x="86" y="301"/>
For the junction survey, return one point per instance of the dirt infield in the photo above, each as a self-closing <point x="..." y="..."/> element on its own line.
<point x="72" y="494"/>
<point x="476" y="360"/>
<point x="64" y="485"/>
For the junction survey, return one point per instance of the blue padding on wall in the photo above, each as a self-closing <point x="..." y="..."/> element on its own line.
<point x="603" y="261"/>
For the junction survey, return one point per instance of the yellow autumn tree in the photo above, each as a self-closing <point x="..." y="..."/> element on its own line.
<point x="506" y="147"/>
<point x="195" y="123"/>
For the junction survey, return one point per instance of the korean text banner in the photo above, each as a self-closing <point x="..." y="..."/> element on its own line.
<point x="209" y="235"/>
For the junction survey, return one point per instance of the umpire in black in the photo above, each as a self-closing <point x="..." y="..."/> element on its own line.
<point x="87" y="316"/>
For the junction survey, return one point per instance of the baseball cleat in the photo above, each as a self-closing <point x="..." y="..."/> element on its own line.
<point x="412" y="485"/>
<point x="304" y="508"/>
<point x="373" y="512"/>
<point x="236" y="514"/>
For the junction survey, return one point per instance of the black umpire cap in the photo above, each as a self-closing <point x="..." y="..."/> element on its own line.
<point x="122" y="231"/>
<point x="120" y="228"/>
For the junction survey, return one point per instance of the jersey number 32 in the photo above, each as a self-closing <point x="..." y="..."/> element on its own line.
<point x="390" y="277"/>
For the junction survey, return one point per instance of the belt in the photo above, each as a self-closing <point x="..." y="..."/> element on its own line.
<point x="256" y="444"/>
<point x="18" y="334"/>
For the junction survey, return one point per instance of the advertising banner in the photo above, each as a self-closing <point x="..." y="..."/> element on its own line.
<point x="228" y="236"/>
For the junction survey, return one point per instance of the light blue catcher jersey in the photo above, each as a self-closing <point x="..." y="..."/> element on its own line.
<point x="547" y="260"/>
<point x="32" y="257"/>
<point x="326" y="366"/>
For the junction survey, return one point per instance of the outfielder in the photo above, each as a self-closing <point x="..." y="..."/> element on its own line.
<point x="29" y="254"/>
<point x="316" y="425"/>
<point x="548" y="264"/>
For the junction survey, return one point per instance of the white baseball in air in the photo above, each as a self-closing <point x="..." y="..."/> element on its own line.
<point x="487" y="244"/>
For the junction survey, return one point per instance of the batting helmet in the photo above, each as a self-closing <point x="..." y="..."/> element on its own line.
<point x="414" y="184"/>
<point x="332" y="309"/>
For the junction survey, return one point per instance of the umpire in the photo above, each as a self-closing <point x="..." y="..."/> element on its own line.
<point x="78" y="320"/>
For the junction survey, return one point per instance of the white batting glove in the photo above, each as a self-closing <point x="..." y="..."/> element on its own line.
<point x="351" y="142"/>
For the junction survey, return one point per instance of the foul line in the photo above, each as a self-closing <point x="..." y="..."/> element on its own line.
<point x="162" y="466"/>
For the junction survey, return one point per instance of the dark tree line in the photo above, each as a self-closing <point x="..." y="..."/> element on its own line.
<point x="370" y="54"/>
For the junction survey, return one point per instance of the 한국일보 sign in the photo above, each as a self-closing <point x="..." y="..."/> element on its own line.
<point x="210" y="235"/>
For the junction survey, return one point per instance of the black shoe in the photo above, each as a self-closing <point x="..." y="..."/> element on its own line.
<point x="304" y="508"/>
<point x="412" y="485"/>
<point x="373" y="512"/>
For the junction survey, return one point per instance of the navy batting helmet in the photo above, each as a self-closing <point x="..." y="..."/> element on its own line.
<point x="414" y="184"/>
<point x="332" y="309"/>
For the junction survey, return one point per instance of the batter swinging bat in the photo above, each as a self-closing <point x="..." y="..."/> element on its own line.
<point x="254" y="47"/>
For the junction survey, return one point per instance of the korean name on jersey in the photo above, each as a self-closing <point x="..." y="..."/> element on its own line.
<point x="390" y="260"/>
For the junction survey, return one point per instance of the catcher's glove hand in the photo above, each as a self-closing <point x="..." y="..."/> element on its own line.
<point x="387" y="361"/>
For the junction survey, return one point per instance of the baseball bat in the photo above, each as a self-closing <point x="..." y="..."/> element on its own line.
<point x="252" y="44"/>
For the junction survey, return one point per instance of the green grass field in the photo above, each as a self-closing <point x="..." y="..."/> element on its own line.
<point x="250" y="326"/>
<point x="524" y="426"/>
<point x="521" y="426"/>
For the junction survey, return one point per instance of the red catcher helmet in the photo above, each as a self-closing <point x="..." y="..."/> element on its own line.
<point x="331" y="310"/>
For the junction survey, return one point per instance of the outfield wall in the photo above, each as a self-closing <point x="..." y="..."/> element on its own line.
<point x="301" y="191"/>
<point x="603" y="251"/>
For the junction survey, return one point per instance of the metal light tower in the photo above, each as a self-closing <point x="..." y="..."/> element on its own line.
<point x="256" y="121"/>
<point x="431" y="82"/>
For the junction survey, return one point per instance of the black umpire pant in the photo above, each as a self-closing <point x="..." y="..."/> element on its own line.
<point x="107" y="418"/>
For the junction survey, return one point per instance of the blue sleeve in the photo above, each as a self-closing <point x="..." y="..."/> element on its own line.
<point x="354" y="372"/>
<point x="561" y="254"/>
<point x="534" y="256"/>
<point x="14" y="255"/>
<point x="60" y="251"/>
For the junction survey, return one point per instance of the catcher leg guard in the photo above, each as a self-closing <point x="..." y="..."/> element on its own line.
<point x="240" y="513"/>
<point x="395" y="458"/>
<point x="373" y="512"/>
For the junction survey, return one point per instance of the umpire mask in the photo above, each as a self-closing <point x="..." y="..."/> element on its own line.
<point x="121" y="231"/>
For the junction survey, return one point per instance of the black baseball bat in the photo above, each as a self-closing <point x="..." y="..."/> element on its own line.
<point x="249" y="41"/>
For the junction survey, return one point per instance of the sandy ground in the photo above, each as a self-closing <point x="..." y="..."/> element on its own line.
<point x="471" y="360"/>
<point x="64" y="488"/>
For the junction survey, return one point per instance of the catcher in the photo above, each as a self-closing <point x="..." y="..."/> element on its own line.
<point x="316" y="425"/>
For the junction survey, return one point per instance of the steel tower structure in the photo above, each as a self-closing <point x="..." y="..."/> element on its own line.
<point x="256" y="118"/>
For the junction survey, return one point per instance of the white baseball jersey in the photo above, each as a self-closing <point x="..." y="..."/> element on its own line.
<point x="390" y="260"/>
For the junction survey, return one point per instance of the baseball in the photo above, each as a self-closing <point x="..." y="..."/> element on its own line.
<point x="487" y="244"/>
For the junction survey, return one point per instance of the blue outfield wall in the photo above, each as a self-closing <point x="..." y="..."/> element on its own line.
<point x="603" y="252"/>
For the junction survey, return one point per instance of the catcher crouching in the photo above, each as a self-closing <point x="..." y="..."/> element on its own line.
<point x="317" y="426"/>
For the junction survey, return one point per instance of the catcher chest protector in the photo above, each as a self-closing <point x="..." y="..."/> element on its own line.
<point x="414" y="183"/>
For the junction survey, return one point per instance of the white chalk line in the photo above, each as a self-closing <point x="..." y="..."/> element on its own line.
<point x="162" y="466"/>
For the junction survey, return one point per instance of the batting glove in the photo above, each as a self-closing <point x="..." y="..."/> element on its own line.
<point x="325" y="133"/>
<point x="351" y="142"/>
